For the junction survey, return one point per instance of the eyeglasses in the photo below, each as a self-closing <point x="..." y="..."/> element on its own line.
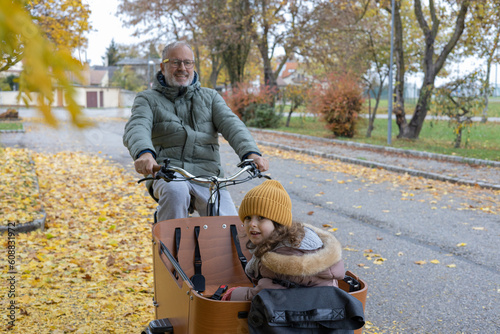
<point x="177" y="62"/>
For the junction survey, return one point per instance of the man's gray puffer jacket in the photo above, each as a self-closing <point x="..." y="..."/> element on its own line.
<point x="182" y="124"/>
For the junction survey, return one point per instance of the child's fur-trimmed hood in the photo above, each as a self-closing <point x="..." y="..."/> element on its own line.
<point x="309" y="263"/>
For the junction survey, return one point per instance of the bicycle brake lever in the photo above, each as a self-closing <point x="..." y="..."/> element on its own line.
<point x="165" y="174"/>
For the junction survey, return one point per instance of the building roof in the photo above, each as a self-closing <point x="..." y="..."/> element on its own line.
<point x="289" y="69"/>
<point x="96" y="76"/>
<point x="137" y="61"/>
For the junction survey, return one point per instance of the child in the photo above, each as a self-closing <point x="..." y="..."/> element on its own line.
<point x="285" y="253"/>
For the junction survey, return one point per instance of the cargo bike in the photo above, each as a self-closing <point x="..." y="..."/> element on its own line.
<point x="195" y="259"/>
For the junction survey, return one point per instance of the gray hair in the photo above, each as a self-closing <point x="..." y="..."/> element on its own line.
<point x="174" y="45"/>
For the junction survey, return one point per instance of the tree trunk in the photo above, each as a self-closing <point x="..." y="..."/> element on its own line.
<point x="371" y="127"/>
<point x="458" y="137"/>
<point x="216" y="67"/>
<point x="417" y="121"/>
<point x="292" y="109"/>
<point x="432" y="64"/>
<point x="371" y="118"/>
<point x="399" y="89"/>
<point x="269" y="78"/>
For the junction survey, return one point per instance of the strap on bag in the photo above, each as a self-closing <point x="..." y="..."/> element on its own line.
<point x="198" y="279"/>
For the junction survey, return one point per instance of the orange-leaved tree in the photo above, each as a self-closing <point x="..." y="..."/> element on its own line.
<point x="338" y="100"/>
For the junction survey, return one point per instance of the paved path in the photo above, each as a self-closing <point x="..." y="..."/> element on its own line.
<point x="434" y="166"/>
<point x="374" y="220"/>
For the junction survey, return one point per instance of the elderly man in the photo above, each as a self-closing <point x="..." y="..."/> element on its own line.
<point x="180" y="120"/>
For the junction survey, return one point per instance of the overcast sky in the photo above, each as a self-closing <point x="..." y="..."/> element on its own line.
<point x="106" y="26"/>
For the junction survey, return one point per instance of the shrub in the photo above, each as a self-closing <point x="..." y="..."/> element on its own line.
<point x="251" y="104"/>
<point x="460" y="100"/>
<point x="338" y="101"/>
<point x="263" y="116"/>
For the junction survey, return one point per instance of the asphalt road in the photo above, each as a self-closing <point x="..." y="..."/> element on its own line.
<point x="402" y="296"/>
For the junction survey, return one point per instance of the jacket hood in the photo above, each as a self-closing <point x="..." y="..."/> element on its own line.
<point x="171" y="93"/>
<point x="309" y="263"/>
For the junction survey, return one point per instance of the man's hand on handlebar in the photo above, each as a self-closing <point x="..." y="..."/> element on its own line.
<point x="261" y="162"/>
<point x="145" y="164"/>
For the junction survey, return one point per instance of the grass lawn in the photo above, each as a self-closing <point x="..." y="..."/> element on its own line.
<point x="493" y="107"/>
<point x="11" y="125"/>
<point x="481" y="141"/>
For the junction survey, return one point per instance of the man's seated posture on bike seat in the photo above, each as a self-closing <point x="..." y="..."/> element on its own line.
<point x="180" y="120"/>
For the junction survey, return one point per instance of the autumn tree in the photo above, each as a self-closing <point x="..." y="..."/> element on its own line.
<point x="127" y="78"/>
<point x="280" y="24"/>
<point x="296" y="94"/>
<point x="482" y="38"/>
<point x="399" y="56"/>
<point x="227" y="34"/>
<point x="64" y="22"/>
<point x="460" y="100"/>
<point x="166" y="20"/>
<point x="435" y="51"/>
<point x="47" y="63"/>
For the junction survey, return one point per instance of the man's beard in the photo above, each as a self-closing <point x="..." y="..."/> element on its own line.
<point x="170" y="80"/>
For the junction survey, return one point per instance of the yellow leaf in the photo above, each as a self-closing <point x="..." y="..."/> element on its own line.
<point x="420" y="262"/>
<point x="333" y="229"/>
<point x="451" y="265"/>
<point x="462" y="244"/>
<point x="435" y="261"/>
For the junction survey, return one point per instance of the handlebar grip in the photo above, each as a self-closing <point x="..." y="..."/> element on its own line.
<point x="156" y="168"/>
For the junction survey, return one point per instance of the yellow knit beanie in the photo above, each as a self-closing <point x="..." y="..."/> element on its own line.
<point x="269" y="200"/>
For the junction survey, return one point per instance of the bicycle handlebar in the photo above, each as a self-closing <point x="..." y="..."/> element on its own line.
<point x="167" y="173"/>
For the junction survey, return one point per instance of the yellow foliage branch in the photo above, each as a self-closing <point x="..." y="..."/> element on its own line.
<point x="44" y="66"/>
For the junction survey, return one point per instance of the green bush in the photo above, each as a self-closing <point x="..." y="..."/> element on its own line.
<point x="261" y="116"/>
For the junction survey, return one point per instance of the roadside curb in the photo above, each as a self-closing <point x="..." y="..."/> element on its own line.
<point x="29" y="226"/>
<point x="12" y="131"/>
<point x="435" y="156"/>
<point x="372" y="164"/>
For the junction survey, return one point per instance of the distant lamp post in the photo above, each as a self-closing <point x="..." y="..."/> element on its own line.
<point x="151" y="73"/>
<point x="389" y="109"/>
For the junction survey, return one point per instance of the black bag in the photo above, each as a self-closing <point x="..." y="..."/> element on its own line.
<point x="305" y="310"/>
